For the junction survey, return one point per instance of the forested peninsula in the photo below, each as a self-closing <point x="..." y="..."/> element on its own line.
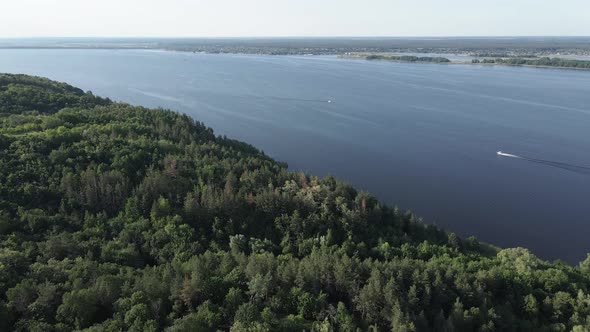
<point x="407" y="58"/>
<point x="537" y="62"/>
<point x="115" y="217"/>
<point x="532" y="61"/>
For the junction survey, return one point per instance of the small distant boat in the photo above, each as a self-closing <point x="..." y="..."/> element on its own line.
<point x="329" y="100"/>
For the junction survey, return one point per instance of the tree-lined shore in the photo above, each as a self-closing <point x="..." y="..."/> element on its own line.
<point x="115" y="217"/>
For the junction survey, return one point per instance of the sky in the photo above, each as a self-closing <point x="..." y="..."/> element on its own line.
<point x="263" y="18"/>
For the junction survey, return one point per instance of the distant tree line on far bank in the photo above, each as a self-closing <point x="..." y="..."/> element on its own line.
<point x="542" y="62"/>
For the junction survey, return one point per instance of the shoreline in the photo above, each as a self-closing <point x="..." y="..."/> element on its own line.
<point x="337" y="55"/>
<point x="453" y="62"/>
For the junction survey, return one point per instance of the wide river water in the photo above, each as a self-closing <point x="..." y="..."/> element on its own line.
<point x="420" y="136"/>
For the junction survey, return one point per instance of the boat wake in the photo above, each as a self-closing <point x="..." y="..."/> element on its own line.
<point x="289" y="99"/>
<point x="557" y="164"/>
<point x="500" y="153"/>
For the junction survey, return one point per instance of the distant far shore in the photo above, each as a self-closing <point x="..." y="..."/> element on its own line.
<point x="556" y="52"/>
<point x="530" y="61"/>
<point x="472" y="46"/>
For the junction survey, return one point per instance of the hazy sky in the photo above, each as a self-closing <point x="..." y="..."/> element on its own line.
<point x="214" y="18"/>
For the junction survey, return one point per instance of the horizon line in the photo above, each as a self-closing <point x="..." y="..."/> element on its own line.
<point x="297" y="36"/>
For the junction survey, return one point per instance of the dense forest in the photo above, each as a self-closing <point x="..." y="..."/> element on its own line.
<point x="121" y="218"/>
<point x="540" y="62"/>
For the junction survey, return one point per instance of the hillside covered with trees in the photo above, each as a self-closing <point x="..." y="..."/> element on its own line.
<point x="121" y="218"/>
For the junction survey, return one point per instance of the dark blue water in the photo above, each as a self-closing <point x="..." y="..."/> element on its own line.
<point x="421" y="136"/>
